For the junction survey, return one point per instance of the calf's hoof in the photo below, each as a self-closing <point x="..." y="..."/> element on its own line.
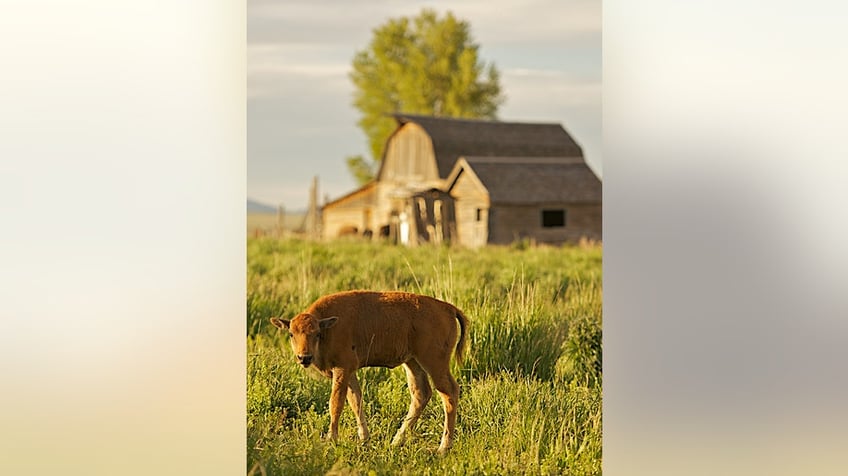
<point x="399" y="439"/>
<point x="444" y="447"/>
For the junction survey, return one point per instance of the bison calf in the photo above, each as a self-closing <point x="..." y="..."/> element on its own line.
<point x="343" y="332"/>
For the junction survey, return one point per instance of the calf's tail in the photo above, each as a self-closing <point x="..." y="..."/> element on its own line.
<point x="463" y="327"/>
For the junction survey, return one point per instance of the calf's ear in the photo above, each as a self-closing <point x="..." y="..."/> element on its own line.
<point x="281" y="323"/>
<point x="328" y="322"/>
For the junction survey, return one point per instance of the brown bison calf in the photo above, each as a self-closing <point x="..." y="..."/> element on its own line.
<point x="343" y="332"/>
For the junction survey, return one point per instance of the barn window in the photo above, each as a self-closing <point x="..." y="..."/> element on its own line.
<point x="553" y="218"/>
<point x="479" y="216"/>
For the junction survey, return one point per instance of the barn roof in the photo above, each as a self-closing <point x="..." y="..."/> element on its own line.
<point x="453" y="138"/>
<point x="362" y="193"/>
<point x="526" y="180"/>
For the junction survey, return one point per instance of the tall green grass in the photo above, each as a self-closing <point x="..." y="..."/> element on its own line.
<point x="530" y="382"/>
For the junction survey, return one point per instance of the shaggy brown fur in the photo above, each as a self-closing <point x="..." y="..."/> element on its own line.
<point x="346" y="331"/>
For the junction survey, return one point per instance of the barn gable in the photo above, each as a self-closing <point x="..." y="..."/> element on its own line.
<point x="471" y="205"/>
<point x="409" y="158"/>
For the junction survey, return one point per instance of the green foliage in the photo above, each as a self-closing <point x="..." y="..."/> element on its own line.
<point x="362" y="171"/>
<point x="421" y="65"/>
<point x="530" y="383"/>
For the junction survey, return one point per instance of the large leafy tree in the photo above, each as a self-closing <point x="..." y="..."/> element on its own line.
<point x="421" y="65"/>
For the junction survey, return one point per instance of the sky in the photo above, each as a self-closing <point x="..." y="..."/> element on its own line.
<point x="300" y="118"/>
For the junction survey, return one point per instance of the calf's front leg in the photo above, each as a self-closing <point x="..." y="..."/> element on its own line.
<point x="337" y="400"/>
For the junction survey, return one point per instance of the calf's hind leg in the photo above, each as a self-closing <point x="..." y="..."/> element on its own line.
<point x="419" y="390"/>
<point x="449" y="391"/>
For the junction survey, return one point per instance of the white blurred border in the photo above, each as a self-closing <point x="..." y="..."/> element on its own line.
<point x="122" y="170"/>
<point x="725" y="187"/>
<point x="122" y="283"/>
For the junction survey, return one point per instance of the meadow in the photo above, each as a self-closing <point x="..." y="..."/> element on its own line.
<point x="530" y="382"/>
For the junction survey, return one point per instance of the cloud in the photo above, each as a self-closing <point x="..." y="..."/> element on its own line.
<point x="543" y="74"/>
<point x="262" y="56"/>
<point x="303" y="70"/>
<point x="274" y="70"/>
<point x="492" y="23"/>
<point x="542" y="90"/>
<point x="325" y="23"/>
<point x="522" y="22"/>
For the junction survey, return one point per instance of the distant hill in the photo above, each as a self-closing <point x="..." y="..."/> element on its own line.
<point x="263" y="220"/>
<point x="256" y="207"/>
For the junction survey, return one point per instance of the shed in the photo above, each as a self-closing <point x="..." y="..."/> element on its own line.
<point x="350" y="214"/>
<point x="503" y="199"/>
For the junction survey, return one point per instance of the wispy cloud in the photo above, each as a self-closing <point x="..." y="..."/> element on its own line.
<point x="545" y="73"/>
<point x="297" y="59"/>
<point x="547" y="92"/>
<point x="302" y="70"/>
<point x="342" y="22"/>
<point x="286" y="69"/>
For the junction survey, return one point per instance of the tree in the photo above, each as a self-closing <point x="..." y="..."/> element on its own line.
<point x="422" y="65"/>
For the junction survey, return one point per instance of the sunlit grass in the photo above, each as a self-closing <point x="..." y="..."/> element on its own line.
<point x="530" y="383"/>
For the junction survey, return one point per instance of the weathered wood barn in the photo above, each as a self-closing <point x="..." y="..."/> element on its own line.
<point x="473" y="182"/>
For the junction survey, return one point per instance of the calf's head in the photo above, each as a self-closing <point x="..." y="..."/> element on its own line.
<point x="305" y="332"/>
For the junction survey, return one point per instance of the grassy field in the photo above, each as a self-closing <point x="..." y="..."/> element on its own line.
<point x="530" y="400"/>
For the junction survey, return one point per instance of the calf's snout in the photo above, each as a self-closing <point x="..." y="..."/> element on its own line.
<point x="305" y="360"/>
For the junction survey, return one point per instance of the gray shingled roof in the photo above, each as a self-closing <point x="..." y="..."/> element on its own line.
<point x="525" y="181"/>
<point x="453" y="138"/>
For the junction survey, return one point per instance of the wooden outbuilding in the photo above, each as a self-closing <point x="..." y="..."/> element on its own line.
<point x="473" y="182"/>
<point x="350" y="214"/>
<point x="499" y="200"/>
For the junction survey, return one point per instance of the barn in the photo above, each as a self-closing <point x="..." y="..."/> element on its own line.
<point x="473" y="182"/>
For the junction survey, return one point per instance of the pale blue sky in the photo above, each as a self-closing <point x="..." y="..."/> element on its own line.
<point x="300" y="120"/>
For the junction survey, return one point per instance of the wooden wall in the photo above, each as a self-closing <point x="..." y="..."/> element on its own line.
<point x="354" y="211"/>
<point x="509" y="223"/>
<point x="470" y="196"/>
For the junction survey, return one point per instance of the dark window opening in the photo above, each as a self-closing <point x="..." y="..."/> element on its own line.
<point x="553" y="218"/>
<point x="479" y="214"/>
